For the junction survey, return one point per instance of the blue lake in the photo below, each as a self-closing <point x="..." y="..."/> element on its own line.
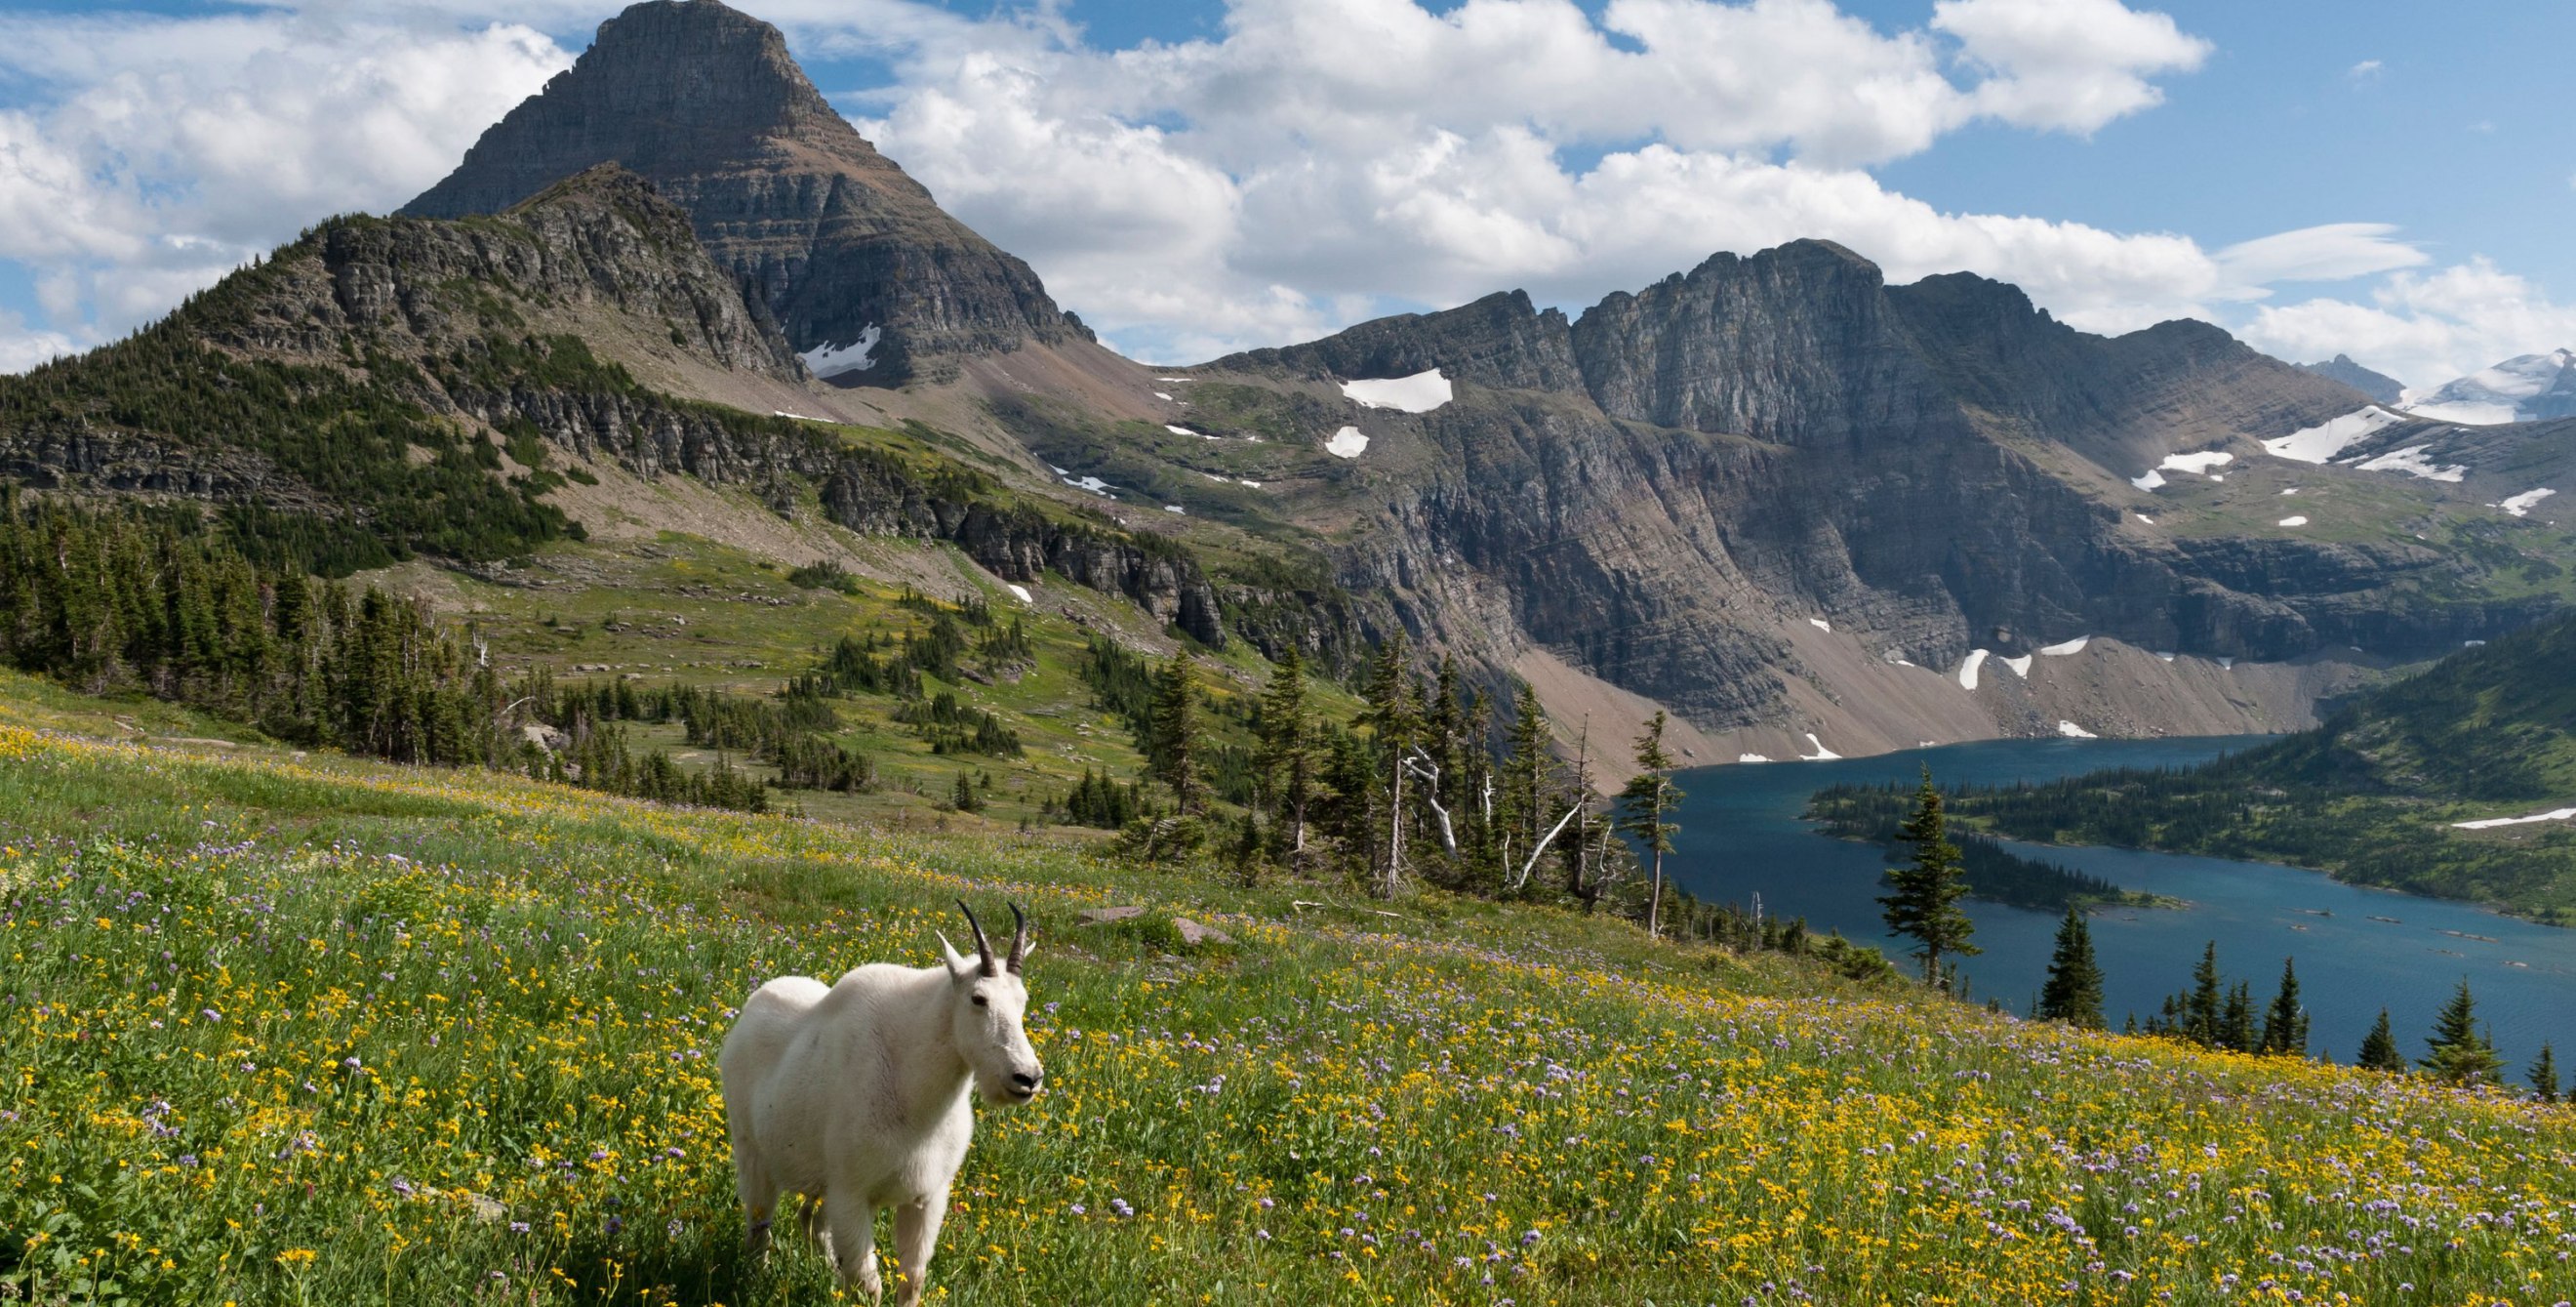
<point x="1741" y="836"/>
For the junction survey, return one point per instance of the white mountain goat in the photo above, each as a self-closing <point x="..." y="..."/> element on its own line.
<point x="856" y="1095"/>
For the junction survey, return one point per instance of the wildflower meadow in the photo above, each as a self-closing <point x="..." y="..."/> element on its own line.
<point x="282" y="1030"/>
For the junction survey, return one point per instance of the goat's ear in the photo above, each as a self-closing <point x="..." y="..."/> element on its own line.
<point x="959" y="965"/>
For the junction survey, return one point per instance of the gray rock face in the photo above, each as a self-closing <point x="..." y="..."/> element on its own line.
<point x="2381" y="387"/>
<point x="1782" y="435"/>
<point x="830" y="236"/>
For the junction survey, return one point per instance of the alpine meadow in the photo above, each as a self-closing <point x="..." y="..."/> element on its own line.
<point x="649" y="716"/>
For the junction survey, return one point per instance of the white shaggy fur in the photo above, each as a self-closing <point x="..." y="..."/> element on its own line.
<point x="857" y="1095"/>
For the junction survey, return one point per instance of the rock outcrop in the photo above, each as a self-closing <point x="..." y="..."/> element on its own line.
<point x="2381" y="387"/>
<point x="868" y="277"/>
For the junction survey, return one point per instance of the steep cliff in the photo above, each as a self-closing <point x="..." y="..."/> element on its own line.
<point x="866" y="274"/>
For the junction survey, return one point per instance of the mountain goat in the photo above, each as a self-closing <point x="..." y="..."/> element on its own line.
<point x="856" y="1094"/>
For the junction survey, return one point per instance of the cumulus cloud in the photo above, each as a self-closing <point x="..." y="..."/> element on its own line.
<point x="174" y="149"/>
<point x="2423" y="328"/>
<point x="1312" y="163"/>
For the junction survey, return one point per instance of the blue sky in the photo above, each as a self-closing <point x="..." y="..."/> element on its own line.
<point x="1199" y="176"/>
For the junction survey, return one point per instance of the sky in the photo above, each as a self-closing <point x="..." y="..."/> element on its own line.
<point x="2388" y="180"/>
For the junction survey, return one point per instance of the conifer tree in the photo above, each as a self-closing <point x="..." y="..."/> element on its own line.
<point x="2236" y="1031"/>
<point x="1177" y="745"/>
<point x="2544" y="1075"/>
<point x="1923" y="902"/>
<point x="2073" y="993"/>
<point x="2457" y="1051"/>
<point x="1287" y="758"/>
<point x="1528" y="769"/>
<point x="2285" y="1023"/>
<point x="1392" y="717"/>
<point x="1649" y="797"/>
<point x="2379" y="1049"/>
<point x="2203" y="1015"/>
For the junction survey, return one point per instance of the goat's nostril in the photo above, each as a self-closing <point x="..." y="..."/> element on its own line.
<point x="1024" y="1082"/>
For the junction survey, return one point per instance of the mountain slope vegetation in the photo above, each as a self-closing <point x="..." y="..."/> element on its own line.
<point x="2377" y="794"/>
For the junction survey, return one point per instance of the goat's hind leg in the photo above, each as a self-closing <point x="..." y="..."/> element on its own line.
<point x="759" y="1194"/>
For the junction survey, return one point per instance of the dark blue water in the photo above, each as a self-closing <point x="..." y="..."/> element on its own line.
<point x="1741" y="835"/>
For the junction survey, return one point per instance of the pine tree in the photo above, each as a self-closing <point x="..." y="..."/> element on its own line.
<point x="2285" y="1023"/>
<point x="1924" y="900"/>
<point x="2457" y="1052"/>
<point x="1287" y="757"/>
<point x="2236" y="1029"/>
<point x="2073" y="993"/>
<point x="1527" y="789"/>
<point x="2379" y="1049"/>
<point x="964" y="798"/>
<point x="1649" y="796"/>
<point x="1392" y="717"/>
<point x="1177" y="745"/>
<point x="2202" y="1014"/>
<point x="2544" y="1075"/>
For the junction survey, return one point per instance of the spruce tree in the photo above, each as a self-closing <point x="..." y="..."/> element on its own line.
<point x="2236" y="1031"/>
<point x="1175" y="757"/>
<point x="2073" y="993"/>
<point x="2544" y="1075"/>
<point x="2202" y="1014"/>
<point x="1287" y="758"/>
<point x="1392" y="717"/>
<point x="2457" y="1052"/>
<point x="1923" y="902"/>
<point x="2379" y="1049"/>
<point x="1528" y="770"/>
<point x="2285" y="1023"/>
<point x="1651" y="795"/>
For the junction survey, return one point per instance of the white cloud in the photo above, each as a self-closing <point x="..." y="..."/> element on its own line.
<point x="2422" y="328"/>
<point x="1315" y="162"/>
<point x="2365" y="72"/>
<point x="174" y="149"/>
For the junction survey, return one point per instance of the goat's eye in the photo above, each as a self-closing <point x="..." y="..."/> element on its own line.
<point x="981" y="1001"/>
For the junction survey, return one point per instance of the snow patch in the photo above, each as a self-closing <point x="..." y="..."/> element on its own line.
<point x="1179" y="431"/>
<point x="2199" y="463"/>
<point x="2555" y="814"/>
<point x="2164" y="655"/>
<point x="1822" y="754"/>
<point x="2522" y="504"/>
<point x="1750" y="757"/>
<point x="1346" y="443"/>
<point x="1820" y="624"/>
<point x="2020" y="666"/>
<point x="2291" y="491"/>
<point x="2471" y="413"/>
<point x="1175" y="378"/>
<point x="2322" y="442"/>
<point x="1254" y="484"/>
<point x="1213" y="477"/>
<point x="1160" y="395"/>
<point x="1968" y="669"/>
<point x="2411" y="459"/>
<point x="2074" y="646"/>
<point x="2146" y="519"/>
<point x="2294" y="521"/>
<point x="2074" y="732"/>
<point x="1175" y="508"/>
<point x="2150" y="481"/>
<point x="1093" y="484"/>
<point x="1019" y="592"/>
<point x="1419" y="393"/>
<point x="830" y="360"/>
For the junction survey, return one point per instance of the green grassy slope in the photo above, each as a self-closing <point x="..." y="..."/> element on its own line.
<point x="284" y="1029"/>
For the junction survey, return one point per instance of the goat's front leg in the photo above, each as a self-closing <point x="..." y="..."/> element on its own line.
<point x="853" y="1224"/>
<point x="916" y="1233"/>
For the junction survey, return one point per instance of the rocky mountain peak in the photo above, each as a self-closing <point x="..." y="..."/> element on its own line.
<point x="2381" y="387"/>
<point x="870" y="279"/>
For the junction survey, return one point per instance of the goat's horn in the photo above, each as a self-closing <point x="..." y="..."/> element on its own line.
<point x="983" y="946"/>
<point x="1019" y="938"/>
